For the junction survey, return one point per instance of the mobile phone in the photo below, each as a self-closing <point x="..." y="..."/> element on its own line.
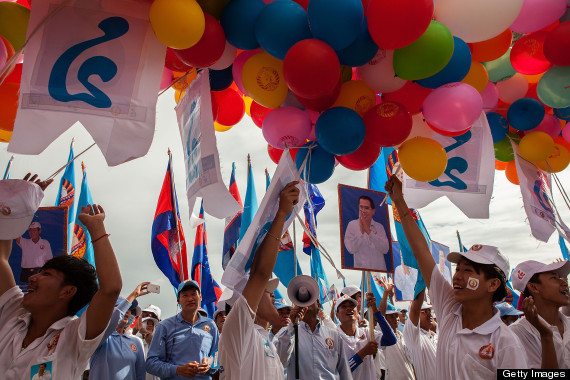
<point x="153" y="288"/>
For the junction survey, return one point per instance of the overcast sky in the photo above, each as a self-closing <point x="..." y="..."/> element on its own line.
<point x="129" y="193"/>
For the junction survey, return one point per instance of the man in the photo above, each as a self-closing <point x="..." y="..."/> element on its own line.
<point x="220" y="315"/>
<point x="245" y="349"/>
<point x="321" y="353"/>
<point x="43" y="373"/>
<point x="39" y="327"/>
<point x="544" y="329"/>
<point x="366" y="239"/>
<point x="509" y="314"/>
<point x="403" y="316"/>
<point x="443" y="269"/>
<point x="283" y="320"/>
<point x="152" y="311"/>
<point x="405" y="278"/>
<point x="35" y="252"/>
<point x="354" y="292"/>
<point x="183" y="344"/>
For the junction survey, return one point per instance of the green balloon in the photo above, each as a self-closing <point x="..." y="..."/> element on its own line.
<point x="14" y="23"/>
<point x="501" y="68"/>
<point x="504" y="150"/>
<point x="427" y="55"/>
<point x="553" y="88"/>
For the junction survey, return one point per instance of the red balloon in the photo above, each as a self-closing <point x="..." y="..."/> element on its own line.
<point x="15" y="75"/>
<point x="447" y="133"/>
<point x="311" y="69"/>
<point x="9" y="93"/>
<point x="412" y="95"/>
<point x="172" y="62"/>
<point x="231" y="107"/>
<point x="210" y="47"/>
<point x="275" y="154"/>
<point x="387" y="124"/>
<point x="395" y="24"/>
<point x="215" y="106"/>
<point x="527" y="55"/>
<point x="557" y="45"/>
<point x="362" y="158"/>
<point x="322" y="103"/>
<point x="303" y="3"/>
<point x="258" y="113"/>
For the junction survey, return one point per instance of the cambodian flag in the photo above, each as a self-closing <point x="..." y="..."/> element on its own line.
<point x="233" y="224"/>
<point x="166" y="230"/>
<point x="66" y="195"/>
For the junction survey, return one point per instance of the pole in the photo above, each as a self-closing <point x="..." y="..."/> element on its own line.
<point x="66" y="165"/>
<point x="370" y="315"/>
<point x="7" y="172"/>
<point x="296" y="329"/>
<point x="176" y="219"/>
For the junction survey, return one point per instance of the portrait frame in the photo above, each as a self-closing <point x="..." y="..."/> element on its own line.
<point x="435" y="252"/>
<point x="404" y="280"/>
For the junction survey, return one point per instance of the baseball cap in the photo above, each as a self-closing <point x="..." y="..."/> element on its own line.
<point x="525" y="270"/>
<point x="281" y="304"/>
<point x="350" y="290"/>
<point x="134" y="308"/>
<point x="19" y="201"/>
<point x="202" y="312"/>
<point x="345" y="298"/>
<point x="35" y="225"/>
<point x="221" y="306"/>
<point x="153" y="309"/>
<point x="506" y="309"/>
<point x="154" y="320"/>
<point x="188" y="284"/>
<point x="483" y="254"/>
<point x="390" y="309"/>
<point x="425" y="306"/>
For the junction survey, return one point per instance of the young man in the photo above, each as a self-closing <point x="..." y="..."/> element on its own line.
<point x="282" y="320"/>
<point x="38" y="327"/>
<point x="245" y="349"/>
<point x="183" y="344"/>
<point x="473" y="342"/>
<point x="220" y="315"/>
<point x="544" y="329"/>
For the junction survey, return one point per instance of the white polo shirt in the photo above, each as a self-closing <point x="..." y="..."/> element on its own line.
<point x="367" y="369"/>
<point x="245" y="350"/>
<point x="35" y="255"/>
<point x="422" y="347"/>
<point x="470" y="354"/>
<point x="63" y="344"/>
<point x="530" y="338"/>
<point x="398" y="363"/>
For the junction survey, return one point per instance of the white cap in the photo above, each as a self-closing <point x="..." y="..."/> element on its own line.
<point x="220" y="307"/>
<point x="202" y="312"/>
<point x="344" y="299"/>
<point x="483" y="254"/>
<point x="19" y="201"/>
<point x="35" y="225"/>
<point x="153" y="309"/>
<point x="350" y="290"/>
<point x="525" y="270"/>
<point x="425" y="306"/>
<point x="154" y="320"/>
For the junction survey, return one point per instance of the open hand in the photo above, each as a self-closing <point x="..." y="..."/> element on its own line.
<point x="531" y="315"/>
<point x="37" y="181"/>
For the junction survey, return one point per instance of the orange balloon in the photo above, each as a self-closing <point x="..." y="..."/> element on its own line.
<point x="5" y="136"/>
<point x="183" y="80"/>
<point x="477" y="77"/>
<point x="356" y="95"/>
<point x="178" y="94"/>
<point x="533" y="78"/>
<point x="493" y="48"/>
<point x="511" y="173"/>
<point x="500" y="165"/>
<point x="9" y="93"/>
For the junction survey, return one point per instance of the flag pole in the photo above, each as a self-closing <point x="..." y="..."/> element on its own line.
<point x="66" y="165"/>
<point x="7" y="172"/>
<point x="174" y="205"/>
<point x="370" y="314"/>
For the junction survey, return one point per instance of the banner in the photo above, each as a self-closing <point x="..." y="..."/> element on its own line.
<point x="96" y="62"/>
<point x="203" y="176"/>
<point x="468" y="177"/>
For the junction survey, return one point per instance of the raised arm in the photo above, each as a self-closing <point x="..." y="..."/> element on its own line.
<point x="388" y="291"/>
<point x="416" y="308"/>
<point x="266" y="255"/>
<point x="415" y="237"/>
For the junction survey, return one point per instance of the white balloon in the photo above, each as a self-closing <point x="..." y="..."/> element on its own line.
<point x="379" y="72"/>
<point x="226" y="59"/>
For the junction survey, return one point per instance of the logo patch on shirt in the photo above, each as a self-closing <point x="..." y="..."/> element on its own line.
<point x="207" y="328"/>
<point x="362" y="337"/>
<point x="487" y="352"/>
<point x="133" y="347"/>
<point x="267" y="348"/>
<point x="330" y="343"/>
<point x="52" y="344"/>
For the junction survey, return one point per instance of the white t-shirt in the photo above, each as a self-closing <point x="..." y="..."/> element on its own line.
<point x="470" y="354"/>
<point x="406" y="283"/>
<point x="63" y="344"/>
<point x="368" y="249"/>
<point x="35" y="255"/>
<point x="366" y="370"/>
<point x="245" y="350"/>
<point x="45" y="376"/>
<point x="422" y="348"/>
<point x="530" y="338"/>
<point x="398" y="363"/>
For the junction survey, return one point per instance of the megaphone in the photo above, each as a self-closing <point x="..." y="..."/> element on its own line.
<point x="303" y="290"/>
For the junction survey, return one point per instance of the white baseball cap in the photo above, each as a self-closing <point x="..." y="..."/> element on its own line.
<point x="19" y="201"/>
<point x="35" y="225"/>
<point x="153" y="309"/>
<point x="154" y="320"/>
<point x="343" y="299"/>
<point x="220" y="307"/>
<point x="350" y="290"/>
<point x="525" y="270"/>
<point x="426" y="306"/>
<point x="483" y="254"/>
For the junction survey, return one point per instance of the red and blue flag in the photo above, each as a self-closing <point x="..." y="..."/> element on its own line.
<point x="233" y="223"/>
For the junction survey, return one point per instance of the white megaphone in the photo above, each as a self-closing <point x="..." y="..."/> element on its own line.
<point x="303" y="290"/>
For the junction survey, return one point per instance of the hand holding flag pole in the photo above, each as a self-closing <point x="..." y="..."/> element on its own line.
<point x="396" y="172"/>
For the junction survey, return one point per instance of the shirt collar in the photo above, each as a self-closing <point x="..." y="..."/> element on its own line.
<point x="57" y="325"/>
<point x="201" y="319"/>
<point x="486" y="328"/>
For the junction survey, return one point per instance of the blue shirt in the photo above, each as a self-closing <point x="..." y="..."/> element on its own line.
<point x="177" y="342"/>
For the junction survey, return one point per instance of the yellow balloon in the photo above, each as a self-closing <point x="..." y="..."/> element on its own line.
<point x="5" y="136"/>
<point x="222" y="128"/>
<point x="262" y="77"/>
<point x="356" y="95"/>
<point x="178" y="24"/>
<point x="478" y="77"/>
<point x="422" y="158"/>
<point x="178" y="94"/>
<point x="247" y="100"/>
<point x="558" y="160"/>
<point x="182" y="80"/>
<point x="536" y="146"/>
<point x="533" y="78"/>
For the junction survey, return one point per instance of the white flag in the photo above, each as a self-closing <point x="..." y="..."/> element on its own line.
<point x="96" y="62"/>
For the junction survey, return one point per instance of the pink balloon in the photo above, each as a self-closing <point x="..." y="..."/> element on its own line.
<point x="566" y="132"/>
<point x="379" y="72"/>
<point x="538" y="14"/>
<point x="227" y="58"/>
<point x="237" y="68"/>
<point x="286" y="125"/>
<point x="453" y="107"/>
<point x="3" y="53"/>
<point x="490" y="96"/>
<point x="166" y="80"/>
<point x="513" y="88"/>
<point x="550" y="125"/>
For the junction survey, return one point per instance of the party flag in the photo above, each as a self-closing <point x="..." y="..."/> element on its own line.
<point x="312" y="206"/>
<point x="250" y="206"/>
<point x="318" y="273"/>
<point x="81" y="244"/>
<point x="563" y="247"/>
<point x="66" y="195"/>
<point x="233" y="223"/>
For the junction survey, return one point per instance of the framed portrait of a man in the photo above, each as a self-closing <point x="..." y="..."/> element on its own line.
<point x="364" y="230"/>
<point x="405" y="277"/>
<point x="439" y="253"/>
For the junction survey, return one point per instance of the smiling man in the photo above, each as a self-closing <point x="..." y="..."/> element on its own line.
<point x="35" y="252"/>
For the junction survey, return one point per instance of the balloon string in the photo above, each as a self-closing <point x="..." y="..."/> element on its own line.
<point x="179" y="79"/>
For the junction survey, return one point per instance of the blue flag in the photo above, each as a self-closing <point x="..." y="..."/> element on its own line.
<point x="318" y="273"/>
<point x="250" y="205"/>
<point x="8" y="166"/>
<point x="82" y="246"/>
<point x="233" y="223"/>
<point x="312" y="206"/>
<point x="563" y="247"/>
<point x="377" y="288"/>
<point x="382" y="170"/>
<point x="66" y="195"/>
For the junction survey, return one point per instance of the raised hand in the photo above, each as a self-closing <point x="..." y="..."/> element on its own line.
<point x="371" y="348"/>
<point x="394" y="188"/>
<point x="37" y="181"/>
<point x="288" y="198"/>
<point x="531" y="315"/>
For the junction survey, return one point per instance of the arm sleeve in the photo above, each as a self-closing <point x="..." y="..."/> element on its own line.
<point x="354" y="362"/>
<point x="214" y="348"/>
<point x="353" y="237"/>
<point x="118" y="314"/>
<point x="441" y="295"/>
<point x="283" y="342"/>
<point x="10" y="303"/>
<point x="140" y="364"/>
<point x="156" y="359"/>
<point x="238" y="330"/>
<point x="388" y="337"/>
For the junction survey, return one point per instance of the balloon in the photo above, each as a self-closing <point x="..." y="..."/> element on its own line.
<point x="477" y="77"/>
<point x="511" y="173"/>
<point x="227" y="58"/>
<point x="311" y="69"/>
<point x="183" y="80"/>
<point x="549" y="125"/>
<point x="322" y="103"/>
<point x="178" y="24"/>
<point x="319" y="165"/>
<point x="379" y="73"/>
<point x="336" y="22"/>
<point x="238" y="20"/>
<point x="553" y="87"/>
<point x="362" y="158"/>
<point x="536" y="146"/>
<point x="237" y="67"/>
<point x="422" y="159"/>
<point x="286" y="125"/>
<point x="231" y="107"/>
<point x="221" y="79"/>
<point x="360" y="51"/>
<point x="275" y="154"/>
<point x="395" y="24"/>
<point x="9" y="93"/>
<point x="532" y="79"/>
<point x="455" y="70"/>
<point x="5" y="136"/>
<point x="387" y="124"/>
<point x="247" y="101"/>
<point x="527" y="56"/>
<point x="214" y="8"/>
<point x="562" y="113"/>
<point x="538" y="14"/>
<point x="3" y="54"/>
<point x="447" y="133"/>
<point x="559" y="140"/>
<point x="262" y="78"/>
<point x="477" y="20"/>
<point x="499" y="126"/>
<point x="513" y="88"/>
<point x="425" y="56"/>
<point x="222" y="128"/>
<point x="493" y="48"/>
<point x="303" y="3"/>
<point x="166" y="79"/>
<point x="453" y="107"/>
<point x="356" y="95"/>
<point x="490" y="96"/>
<point x="173" y="63"/>
<point x="340" y="130"/>
<point x="411" y="95"/>
<point x="525" y="114"/>
<point x="557" y="45"/>
<point x="566" y="133"/>
<point x="557" y="161"/>
<point x="280" y="25"/>
<point x="14" y="23"/>
<point x="346" y="73"/>
<point x="258" y="113"/>
<point x="210" y="47"/>
<point x="504" y="150"/>
<point x="500" y="165"/>
<point x="501" y="68"/>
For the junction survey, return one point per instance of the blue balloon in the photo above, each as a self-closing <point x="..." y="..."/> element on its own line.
<point x="280" y="25"/>
<point x="336" y="22"/>
<point x="525" y="114"/>
<point x="499" y="126"/>
<point x="319" y="166"/>
<point x="221" y="79"/>
<point x="456" y="69"/>
<point x="361" y="51"/>
<point x="238" y="21"/>
<point x="562" y="113"/>
<point x="340" y="130"/>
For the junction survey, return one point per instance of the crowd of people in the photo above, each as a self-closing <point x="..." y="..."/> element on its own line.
<point x="72" y="323"/>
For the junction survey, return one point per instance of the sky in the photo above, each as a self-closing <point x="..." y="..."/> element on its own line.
<point x="129" y="193"/>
